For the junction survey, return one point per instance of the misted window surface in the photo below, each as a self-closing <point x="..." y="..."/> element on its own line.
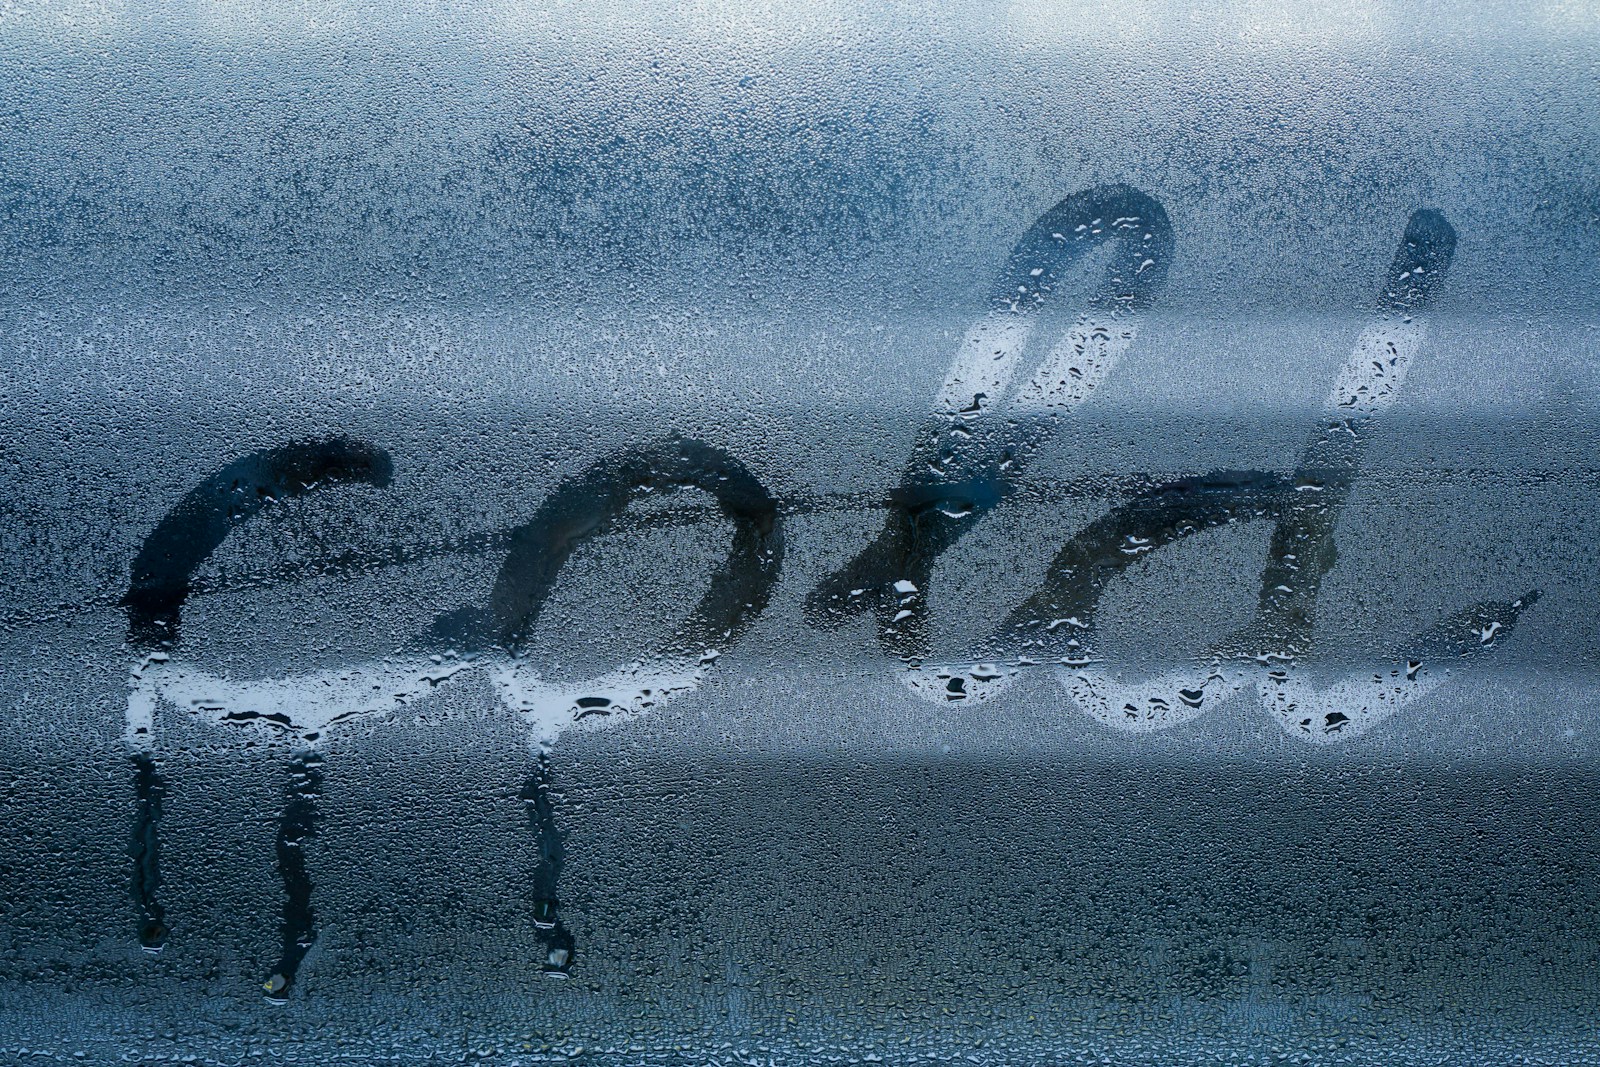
<point x="829" y="533"/>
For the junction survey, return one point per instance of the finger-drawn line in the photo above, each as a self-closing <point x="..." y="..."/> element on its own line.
<point x="162" y="581"/>
<point x="984" y="429"/>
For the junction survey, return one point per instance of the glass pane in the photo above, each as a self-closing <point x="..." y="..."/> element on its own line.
<point x="819" y="533"/>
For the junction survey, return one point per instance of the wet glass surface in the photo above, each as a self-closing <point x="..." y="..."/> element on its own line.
<point x="720" y="535"/>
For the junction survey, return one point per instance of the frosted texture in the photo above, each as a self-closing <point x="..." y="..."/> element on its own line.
<point x="814" y="534"/>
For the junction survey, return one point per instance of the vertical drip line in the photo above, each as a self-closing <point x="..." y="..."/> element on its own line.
<point x="578" y="509"/>
<point x="161" y="579"/>
<point x="296" y="826"/>
<point x="551" y="844"/>
<point x="150" y="790"/>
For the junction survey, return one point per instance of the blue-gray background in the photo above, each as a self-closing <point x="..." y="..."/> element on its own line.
<point x="504" y="241"/>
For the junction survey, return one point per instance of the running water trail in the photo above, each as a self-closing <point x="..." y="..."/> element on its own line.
<point x="579" y="509"/>
<point x="298" y="711"/>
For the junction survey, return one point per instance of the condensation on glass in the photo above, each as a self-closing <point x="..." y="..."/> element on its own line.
<point x="718" y="535"/>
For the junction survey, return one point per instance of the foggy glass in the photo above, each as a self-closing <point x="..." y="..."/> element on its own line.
<point x="716" y="534"/>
